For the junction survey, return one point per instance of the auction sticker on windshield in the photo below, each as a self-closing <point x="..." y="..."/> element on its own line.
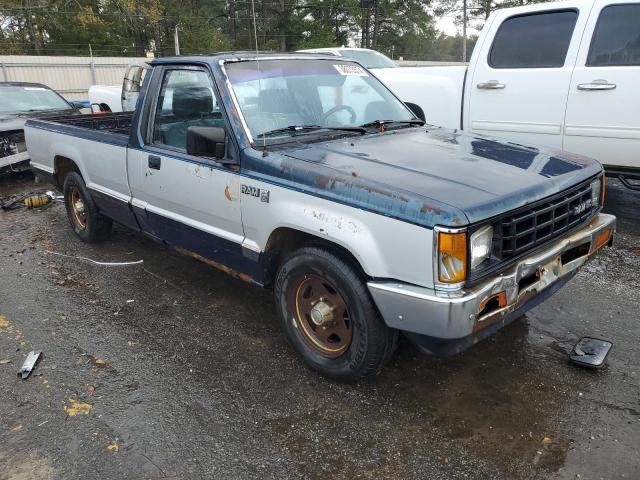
<point x="348" y="69"/>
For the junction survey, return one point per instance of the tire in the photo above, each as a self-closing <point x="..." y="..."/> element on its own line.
<point x="362" y="343"/>
<point x="89" y="225"/>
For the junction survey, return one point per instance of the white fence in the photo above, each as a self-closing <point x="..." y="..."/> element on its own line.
<point x="70" y="76"/>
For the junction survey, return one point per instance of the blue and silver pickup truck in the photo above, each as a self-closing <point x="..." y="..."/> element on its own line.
<point x="306" y="175"/>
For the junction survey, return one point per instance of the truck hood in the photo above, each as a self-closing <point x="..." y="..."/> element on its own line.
<point x="438" y="176"/>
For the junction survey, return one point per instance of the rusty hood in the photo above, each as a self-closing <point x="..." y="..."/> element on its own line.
<point x="433" y="176"/>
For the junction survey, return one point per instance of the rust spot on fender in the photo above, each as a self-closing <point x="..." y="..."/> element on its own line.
<point x="428" y="208"/>
<point x="234" y="273"/>
<point x="322" y="181"/>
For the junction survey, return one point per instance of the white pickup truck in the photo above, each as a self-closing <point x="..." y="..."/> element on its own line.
<point x="564" y="75"/>
<point x="118" y="98"/>
<point x="305" y="174"/>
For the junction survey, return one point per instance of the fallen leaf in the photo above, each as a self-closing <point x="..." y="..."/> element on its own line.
<point x="113" y="446"/>
<point x="91" y="389"/>
<point x="99" y="361"/>
<point x="4" y="361"/>
<point x="17" y="428"/>
<point x="547" y="441"/>
<point x="131" y="343"/>
<point x="77" y="408"/>
<point x="4" y="323"/>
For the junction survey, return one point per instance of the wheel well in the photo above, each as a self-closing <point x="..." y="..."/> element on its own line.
<point x="284" y="240"/>
<point x="62" y="167"/>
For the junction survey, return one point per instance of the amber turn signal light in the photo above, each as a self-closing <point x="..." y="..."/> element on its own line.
<point x="603" y="238"/>
<point x="452" y="257"/>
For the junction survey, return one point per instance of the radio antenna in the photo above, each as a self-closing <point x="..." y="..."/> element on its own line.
<point x="255" y="37"/>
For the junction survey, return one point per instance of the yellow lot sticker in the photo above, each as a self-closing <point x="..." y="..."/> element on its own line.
<point x="77" y="408"/>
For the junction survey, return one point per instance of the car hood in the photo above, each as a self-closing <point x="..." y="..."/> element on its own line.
<point x="16" y="121"/>
<point x="10" y="122"/>
<point x="436" y="176"/>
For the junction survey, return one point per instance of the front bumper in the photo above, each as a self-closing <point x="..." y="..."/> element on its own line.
<point x="452" y="322"/>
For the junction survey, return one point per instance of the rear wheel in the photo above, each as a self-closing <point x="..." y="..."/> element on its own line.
<point x="329" y="316"/>
<point x="88" y="224"/>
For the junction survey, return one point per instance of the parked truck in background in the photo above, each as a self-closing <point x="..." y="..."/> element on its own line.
<point x="306" y="175"/>
<point x="118" y="98"/>
<point x="563" y="75"/>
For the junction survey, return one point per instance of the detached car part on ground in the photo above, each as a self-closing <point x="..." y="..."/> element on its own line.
<point x="19" y="101"/>
<point x="308" y="176"/>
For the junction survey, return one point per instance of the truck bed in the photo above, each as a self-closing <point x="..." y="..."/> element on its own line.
<point x="118" y="123"/>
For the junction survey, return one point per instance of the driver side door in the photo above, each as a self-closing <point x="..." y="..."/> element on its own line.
<point x="188" y="201"/>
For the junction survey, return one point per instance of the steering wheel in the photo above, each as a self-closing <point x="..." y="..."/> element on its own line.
<point x="337" y="109"/>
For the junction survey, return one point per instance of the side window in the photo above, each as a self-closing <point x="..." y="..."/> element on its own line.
<point x="539" y="40"/>
<point x="616" y="39"/>
<point x="186" y="99"/>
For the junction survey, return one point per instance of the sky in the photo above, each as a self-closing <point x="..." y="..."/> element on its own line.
<point x="446" y="25"/>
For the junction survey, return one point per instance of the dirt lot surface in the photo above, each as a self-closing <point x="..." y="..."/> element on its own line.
<point x="170" y="369"/>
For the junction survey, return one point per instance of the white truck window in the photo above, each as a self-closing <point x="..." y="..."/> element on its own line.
<point x="186" y="99"/>
<point x="538" y="40"/>
<point x="616" y="39"/>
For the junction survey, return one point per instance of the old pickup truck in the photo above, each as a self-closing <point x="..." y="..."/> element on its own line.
<point x="306" y="175"/>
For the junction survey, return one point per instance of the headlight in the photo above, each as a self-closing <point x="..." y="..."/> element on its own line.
<point x="452" y="257"/>
<point x="480" y="245"/>
<point x="598" y="188"/>
<point x="596" y="191"/>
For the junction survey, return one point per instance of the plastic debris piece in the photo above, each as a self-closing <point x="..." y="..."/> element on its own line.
<point x="95" y="262"/>
<point x="29" y="364"/>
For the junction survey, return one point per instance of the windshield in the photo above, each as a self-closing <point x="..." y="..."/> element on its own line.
<point x="17" y="99"/>
<point x="369" y="58"/>
<point x="277" y="94"/>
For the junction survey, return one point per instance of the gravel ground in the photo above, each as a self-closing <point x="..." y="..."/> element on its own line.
<point x="170" y="369"/>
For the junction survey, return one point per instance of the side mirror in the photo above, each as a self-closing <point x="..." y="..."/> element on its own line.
<point x="417" y="110"/>
<point x="206" y="142"/>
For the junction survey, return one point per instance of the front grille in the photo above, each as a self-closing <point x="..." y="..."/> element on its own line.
<point x="518" y="232"/>
<point x="525" y="230"/>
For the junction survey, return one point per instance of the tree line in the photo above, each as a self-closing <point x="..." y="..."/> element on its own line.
<point x="398" y="28"/>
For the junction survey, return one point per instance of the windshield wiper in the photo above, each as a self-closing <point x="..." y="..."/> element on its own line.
<point x="380" y="123"/>
<point x="307" y="128"/>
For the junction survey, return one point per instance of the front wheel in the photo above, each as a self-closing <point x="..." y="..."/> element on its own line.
<point x="329" y="316"/>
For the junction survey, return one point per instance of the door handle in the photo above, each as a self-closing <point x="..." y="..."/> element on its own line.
<point x="154" y="162"/>
<point x="597" y="85"/>
<point x="491" y="85"/>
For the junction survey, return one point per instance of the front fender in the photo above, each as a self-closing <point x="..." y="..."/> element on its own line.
<point x="384" y="247"/>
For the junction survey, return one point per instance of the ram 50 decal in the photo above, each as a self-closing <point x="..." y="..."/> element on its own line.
<point x="255" y="192"/>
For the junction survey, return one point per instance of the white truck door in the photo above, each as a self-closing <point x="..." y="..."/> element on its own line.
<point x="603" y="113"/>
<point x="188" y="201"/>
<point x="519" y="83"/>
